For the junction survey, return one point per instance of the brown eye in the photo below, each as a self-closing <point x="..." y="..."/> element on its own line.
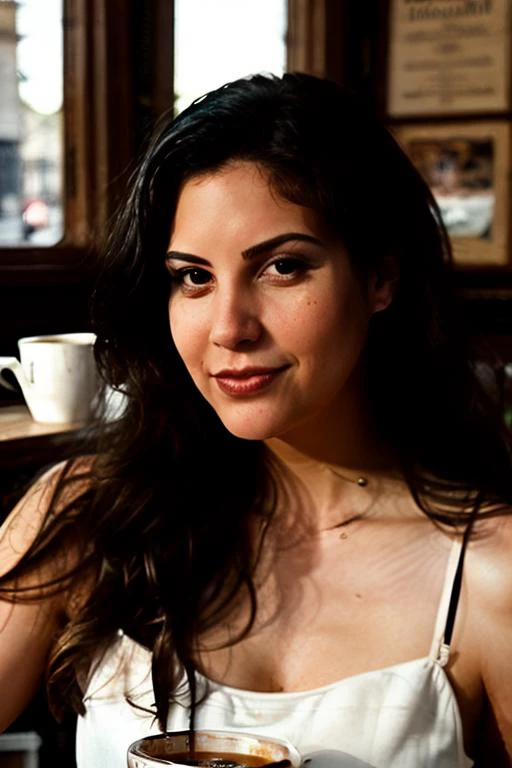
<point x="194" y="276"/>
<point x="191" y="281"/>
<point x="285" y="269"/>
<point x="288" y="266"/>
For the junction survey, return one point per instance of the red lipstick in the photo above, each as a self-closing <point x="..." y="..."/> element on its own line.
<point x="246" y="381"/>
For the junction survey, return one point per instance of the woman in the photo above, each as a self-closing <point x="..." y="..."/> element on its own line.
<point x="307" y="472"/>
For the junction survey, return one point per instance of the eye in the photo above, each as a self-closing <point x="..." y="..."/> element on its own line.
<point x="285" y="268"/>
<point x="190" y="280"/>
<point x="193" y="276"/>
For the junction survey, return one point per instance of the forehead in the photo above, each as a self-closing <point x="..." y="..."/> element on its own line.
<point x="238" y="200"/>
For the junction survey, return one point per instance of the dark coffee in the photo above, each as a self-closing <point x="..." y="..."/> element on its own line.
<point x="221" y="759"/>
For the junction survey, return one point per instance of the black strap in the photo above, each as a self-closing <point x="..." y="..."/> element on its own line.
<point x="457" y="585"/>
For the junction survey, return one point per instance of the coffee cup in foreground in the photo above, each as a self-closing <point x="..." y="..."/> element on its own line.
<point x="212" y="749"/>
<point x="57" y="375"/>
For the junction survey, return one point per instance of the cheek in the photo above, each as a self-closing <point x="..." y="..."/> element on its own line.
<point x="332" y="317"/>
<point x="185" y="334"/>
<point x="331" y="332"/>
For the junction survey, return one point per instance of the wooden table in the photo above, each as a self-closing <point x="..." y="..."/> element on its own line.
<point x="16" y="423"/>
<point x="24" y="441"/>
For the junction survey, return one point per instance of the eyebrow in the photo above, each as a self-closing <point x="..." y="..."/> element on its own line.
<point x="254" y="250"/>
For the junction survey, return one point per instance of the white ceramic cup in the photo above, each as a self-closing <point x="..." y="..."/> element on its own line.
<point x="160" y="750"/>
<point x="57" y="375"/>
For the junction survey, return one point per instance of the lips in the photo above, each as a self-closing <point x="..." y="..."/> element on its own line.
<point x="247" y="381"/>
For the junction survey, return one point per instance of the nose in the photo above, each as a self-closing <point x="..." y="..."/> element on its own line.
<point x="235" y="319"/>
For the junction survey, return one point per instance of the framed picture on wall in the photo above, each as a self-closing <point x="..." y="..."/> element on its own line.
<point x="448" y="57"/>
<point x="467" y="166"/>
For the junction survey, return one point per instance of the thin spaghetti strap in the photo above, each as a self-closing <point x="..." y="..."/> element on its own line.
<point x="445" y="622"/>
<point x="445" y="600"/>
<point x="457" y="584"/>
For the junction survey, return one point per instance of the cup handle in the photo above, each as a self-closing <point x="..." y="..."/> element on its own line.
<point x="12" y="364"/>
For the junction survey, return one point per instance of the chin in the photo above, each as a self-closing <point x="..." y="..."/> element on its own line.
<point x="250" y="433"/>
<point x="259" y="426"/>
<point x="252" y="428"/>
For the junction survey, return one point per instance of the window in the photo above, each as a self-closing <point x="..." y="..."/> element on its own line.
<point x="30" y="122"/>
<point x="85" y="119"/>
<point x="217" y="41"/>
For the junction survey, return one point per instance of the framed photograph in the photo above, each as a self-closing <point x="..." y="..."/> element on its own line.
<point x="466" y="166"/>
<point x="448" y="57"/>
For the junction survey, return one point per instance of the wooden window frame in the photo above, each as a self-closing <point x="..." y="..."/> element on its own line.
<point x="110" y="92"/>
<point x="311" y="42"/>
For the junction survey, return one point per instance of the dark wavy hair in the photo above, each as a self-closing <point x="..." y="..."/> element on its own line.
<point x="162" y="525"/>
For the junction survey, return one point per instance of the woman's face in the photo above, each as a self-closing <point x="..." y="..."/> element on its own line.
<point x="265" y="310"/>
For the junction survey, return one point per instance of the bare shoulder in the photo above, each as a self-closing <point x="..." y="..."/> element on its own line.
<point x="488" y="582"/>
<point x="489" y="563"/>
<point x="31" y="614"/>
<point x="46" y="499"/>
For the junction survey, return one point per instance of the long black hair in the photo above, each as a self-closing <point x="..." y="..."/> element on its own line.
<point x="169" y="485"/>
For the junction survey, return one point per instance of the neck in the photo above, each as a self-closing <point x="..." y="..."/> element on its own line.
<point x="323" y="457"/>
<point x="329" y="494"/>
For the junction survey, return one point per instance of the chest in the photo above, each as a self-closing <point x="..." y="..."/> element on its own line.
<point x="338" y="608"/>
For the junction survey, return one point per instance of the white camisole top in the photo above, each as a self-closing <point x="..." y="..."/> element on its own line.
<point x="402" y="716"/>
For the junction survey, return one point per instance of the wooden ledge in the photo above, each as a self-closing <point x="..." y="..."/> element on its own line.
<point x="26" y="444"/>
<point x="16" y="423"/>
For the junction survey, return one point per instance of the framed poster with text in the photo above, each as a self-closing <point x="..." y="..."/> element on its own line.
<point x="448" y="57"/>
<point x="466" y="166"/>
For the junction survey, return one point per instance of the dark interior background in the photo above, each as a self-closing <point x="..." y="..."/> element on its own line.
<point x="119" y="64"/>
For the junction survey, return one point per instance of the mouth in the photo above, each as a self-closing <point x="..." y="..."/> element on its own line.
<point x="247" y="381"/>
